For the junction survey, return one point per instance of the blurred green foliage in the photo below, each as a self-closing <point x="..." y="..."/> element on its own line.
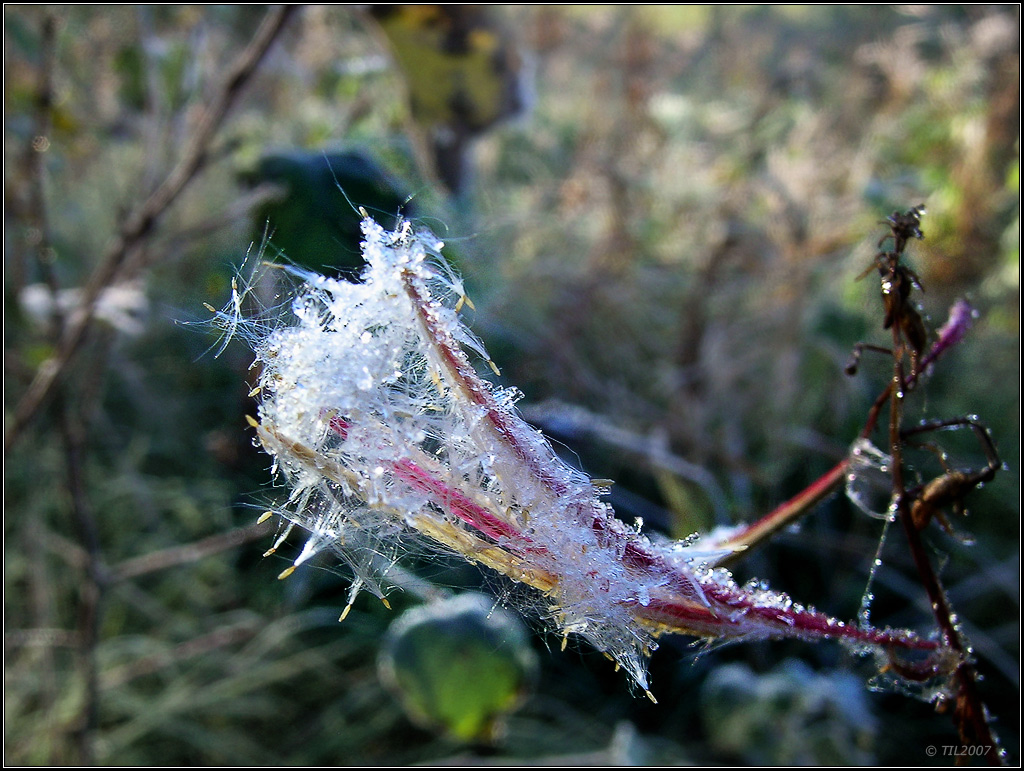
<point x="789" y="717"/>
<point x="459" y="665"/>
<point x="313" y="220"/>
<point x="670" y="241"/>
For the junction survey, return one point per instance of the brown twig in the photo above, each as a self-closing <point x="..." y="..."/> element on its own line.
<point x="218" y="638"/>
<point x="969" y="711"/>
<point x="190" y="552"/>
<point x="38" y="240"/>
<point x="802" y="503"/>
<point x="92" y="588"/>
<point x="141" y="222"/>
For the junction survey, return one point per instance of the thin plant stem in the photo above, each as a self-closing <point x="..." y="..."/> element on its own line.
<point x="832" y="480"/>
<point x="187" y="553"/>
<point x="787" y="513"/>
<point x="969" y="711"/>
<point x="91" y="591"/>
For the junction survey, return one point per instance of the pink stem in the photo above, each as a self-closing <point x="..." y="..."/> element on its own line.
<point x="696" y="616"/>
<point x="786" y="619"/>
<point x="792" y="509"/>
<point x="456" y="502"/>
<point x="505" y="424"/>
<point x="449" y="498"/>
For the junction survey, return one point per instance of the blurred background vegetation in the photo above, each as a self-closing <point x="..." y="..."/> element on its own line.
<point x="661" y="213"/>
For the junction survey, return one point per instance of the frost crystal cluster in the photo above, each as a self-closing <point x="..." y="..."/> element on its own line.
<point x="389" y="439"/>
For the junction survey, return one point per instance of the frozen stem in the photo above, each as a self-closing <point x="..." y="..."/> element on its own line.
<point x="392" y="441"/>
<point x="904" y="321"/>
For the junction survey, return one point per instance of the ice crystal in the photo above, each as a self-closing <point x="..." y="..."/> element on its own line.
<point x="390" y="439"/>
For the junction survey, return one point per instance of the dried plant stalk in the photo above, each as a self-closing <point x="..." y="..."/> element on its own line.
<point x="389" y="438"/>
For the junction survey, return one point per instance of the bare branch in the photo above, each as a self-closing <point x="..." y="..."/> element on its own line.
<point x="141" y="222"/>
<point x="191" y="552"/>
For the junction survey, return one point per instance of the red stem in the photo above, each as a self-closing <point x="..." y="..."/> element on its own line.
<point x="635" y="555"/>
<point x="788" y="619"/>
<point x="457" y="503"/>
